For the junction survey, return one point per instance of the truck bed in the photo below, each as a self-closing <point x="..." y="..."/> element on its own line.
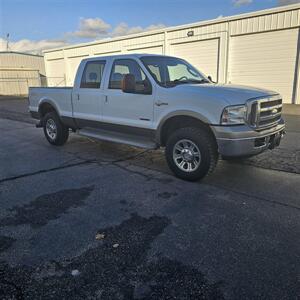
<point x="59" y="97"/>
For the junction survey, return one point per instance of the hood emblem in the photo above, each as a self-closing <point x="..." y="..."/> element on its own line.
<point x="274" y="111"/>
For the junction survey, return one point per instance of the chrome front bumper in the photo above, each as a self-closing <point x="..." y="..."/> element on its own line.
<point x="234" y="141"/>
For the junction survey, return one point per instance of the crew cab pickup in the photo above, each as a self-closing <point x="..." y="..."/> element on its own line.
<point x="153" y="101"/>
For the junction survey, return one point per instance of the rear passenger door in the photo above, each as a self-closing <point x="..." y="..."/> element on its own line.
<point x="134" y="109"/>
<point x="88" y="96"/>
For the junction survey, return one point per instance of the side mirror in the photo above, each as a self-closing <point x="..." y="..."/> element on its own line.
<point x="128" y="83"/>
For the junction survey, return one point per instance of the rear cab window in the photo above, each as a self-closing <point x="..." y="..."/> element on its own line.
<point x="92" y="75"/>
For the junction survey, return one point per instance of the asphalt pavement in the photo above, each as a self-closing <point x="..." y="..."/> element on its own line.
<point x="95" y="220"/>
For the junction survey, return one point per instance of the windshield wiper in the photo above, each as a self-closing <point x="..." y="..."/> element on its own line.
<point x="197" y="81"/>
<point x="176" y="81"/>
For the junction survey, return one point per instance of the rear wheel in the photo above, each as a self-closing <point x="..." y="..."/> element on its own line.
<point x="55" y="131"/>
<point x="191" y="153"/>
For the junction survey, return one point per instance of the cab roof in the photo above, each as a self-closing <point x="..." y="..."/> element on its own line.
<point x="124" y="56"/>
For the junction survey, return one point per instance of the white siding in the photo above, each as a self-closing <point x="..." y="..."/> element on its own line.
<point x="56" y="72"/>
<point x="17" y="81"/>
<point x="258" y="49"/>
<point x="20" y="60"/>
<point x="265" y="60"/>
<point x="18" y="71"/>
<point x="266" y="22"/>
<point x="107" y="53"/>
<point x="151" y="50"/>
<point x="73" y="63"/>
<point x="202" y="54"/>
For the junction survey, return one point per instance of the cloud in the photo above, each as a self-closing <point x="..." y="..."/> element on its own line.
<point x="124" y="29"/>
<point x="98" y="28"/>
<point x="238" y="3"/>
<point x="91" y="28"/>
<point x="32" y="46"/>
<point x="88" y="29"/>
<point x="287" y="2"/>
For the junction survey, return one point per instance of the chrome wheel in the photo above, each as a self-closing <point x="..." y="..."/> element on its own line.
<point x="186" y="155"/>
<point x="51" y="129"/>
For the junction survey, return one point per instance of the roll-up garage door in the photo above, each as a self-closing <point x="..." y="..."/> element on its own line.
<point x="150" y="50"/>
<point x="204" y="55"/>
<point x="265" y="60"/>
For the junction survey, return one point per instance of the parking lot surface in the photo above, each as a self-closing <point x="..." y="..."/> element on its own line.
<point x="93" y="220"/>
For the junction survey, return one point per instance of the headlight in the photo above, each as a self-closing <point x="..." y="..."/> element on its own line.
<point x="233" y="115"/>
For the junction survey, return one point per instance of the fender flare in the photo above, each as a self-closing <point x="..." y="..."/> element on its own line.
<point x="50" y="102"/>
<point x="178" y="113"/>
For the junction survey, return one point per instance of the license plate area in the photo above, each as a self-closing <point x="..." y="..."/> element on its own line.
<point x="275" y="140"/>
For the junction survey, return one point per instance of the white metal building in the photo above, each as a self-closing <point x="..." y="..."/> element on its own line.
<point x="18" y="71"/>
<point x="257" y="49"/>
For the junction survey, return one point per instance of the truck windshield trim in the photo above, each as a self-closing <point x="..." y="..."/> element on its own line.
<point x="171" y="71"/>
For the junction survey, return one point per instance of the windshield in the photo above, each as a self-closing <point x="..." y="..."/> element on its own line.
<point x="171" y="71"/>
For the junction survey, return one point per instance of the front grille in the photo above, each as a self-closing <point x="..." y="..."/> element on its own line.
<point x="264" y="113"/>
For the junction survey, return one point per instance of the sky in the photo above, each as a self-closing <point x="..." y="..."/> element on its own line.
<point x="34" y="25"/>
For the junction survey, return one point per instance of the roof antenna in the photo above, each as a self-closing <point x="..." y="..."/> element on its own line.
<point x="7" y="41"/>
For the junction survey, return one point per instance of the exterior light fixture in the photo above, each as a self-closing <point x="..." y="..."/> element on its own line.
<point x="190" y="33"/>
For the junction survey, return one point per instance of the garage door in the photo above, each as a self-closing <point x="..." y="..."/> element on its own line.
<point x="73" y="63"/>
<point x="265" y="60"/>
<point x="56" y="72"/>
<point x="150" y="50"/>
<point x="201" y="54"/>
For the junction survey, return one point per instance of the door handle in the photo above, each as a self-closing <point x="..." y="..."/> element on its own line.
<point x="159" y="103"/>
<point x="78" y="98"/>
<point x="105" y="99"/>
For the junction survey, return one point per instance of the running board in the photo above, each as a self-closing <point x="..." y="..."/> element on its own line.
<point x="117" y="137"/>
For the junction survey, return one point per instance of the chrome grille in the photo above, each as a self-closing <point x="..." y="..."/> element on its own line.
<point x="264" y="113"/>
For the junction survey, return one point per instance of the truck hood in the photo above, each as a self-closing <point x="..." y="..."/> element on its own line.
<point x="232" y="94"/>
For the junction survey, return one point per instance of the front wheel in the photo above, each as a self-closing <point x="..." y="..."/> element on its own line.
<point x="55" y="131"/>
<point x="191" y="153"/>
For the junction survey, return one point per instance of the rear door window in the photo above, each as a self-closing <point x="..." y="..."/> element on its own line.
<point x="92" y="75"/>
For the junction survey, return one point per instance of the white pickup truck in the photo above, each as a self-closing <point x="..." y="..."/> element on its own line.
<point x="153" y="101"/>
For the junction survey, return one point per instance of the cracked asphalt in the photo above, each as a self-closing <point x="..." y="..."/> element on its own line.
<point x="93" y="220"/>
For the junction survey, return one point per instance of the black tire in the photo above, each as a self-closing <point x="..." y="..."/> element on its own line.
<point x="206" y="145"/>
<point x="62" y="132"/>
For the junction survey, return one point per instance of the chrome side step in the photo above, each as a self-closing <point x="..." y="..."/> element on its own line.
<point x="117" y="137"/>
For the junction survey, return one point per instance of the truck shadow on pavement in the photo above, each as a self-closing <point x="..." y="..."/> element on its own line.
<point x="117" y="268"/>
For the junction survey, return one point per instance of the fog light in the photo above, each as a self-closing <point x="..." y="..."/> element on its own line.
<point x="260" y="142"/>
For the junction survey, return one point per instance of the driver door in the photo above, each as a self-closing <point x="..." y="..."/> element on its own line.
<point x="134" y="109"/>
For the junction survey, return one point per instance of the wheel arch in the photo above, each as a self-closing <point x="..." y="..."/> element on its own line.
<point x="45" y="106"/>
<point x="178" y="120"/>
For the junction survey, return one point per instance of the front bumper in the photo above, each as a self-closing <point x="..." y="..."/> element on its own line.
<point x="234" y="141"/>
